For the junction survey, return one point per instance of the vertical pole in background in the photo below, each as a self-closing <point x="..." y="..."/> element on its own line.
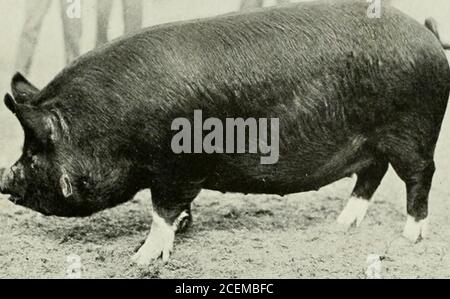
<point x="132" y="15"/>
<point x="251" y="4"/>
<point x="71" y="19"/>
<point x="104" y="8"/>
<point x="283" y="2"/>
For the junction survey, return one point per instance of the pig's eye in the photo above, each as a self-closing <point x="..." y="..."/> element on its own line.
<point x="85" y="183"/>
<point x="34" y="162"/>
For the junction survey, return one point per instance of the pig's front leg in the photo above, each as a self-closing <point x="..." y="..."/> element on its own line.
<point x="171" y="213"/>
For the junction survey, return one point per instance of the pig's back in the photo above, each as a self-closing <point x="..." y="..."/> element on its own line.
<point x="271" y="57"/>
<point x="305" y="48"/>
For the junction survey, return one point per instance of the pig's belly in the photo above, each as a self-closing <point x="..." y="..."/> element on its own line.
<point x="246" y="175"/>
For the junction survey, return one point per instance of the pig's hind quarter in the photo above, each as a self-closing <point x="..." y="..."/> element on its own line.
<point x="345" y="88"/>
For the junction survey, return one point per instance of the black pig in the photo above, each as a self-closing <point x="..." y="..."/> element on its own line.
<point x="352" y="95"/>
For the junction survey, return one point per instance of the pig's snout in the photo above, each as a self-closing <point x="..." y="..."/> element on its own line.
<point x="7" y="177"/>
<point x="2" y="180"/>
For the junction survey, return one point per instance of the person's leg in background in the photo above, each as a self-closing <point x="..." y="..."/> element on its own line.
<point x="35" y="11"/>
<point x="104" y="8"/>
<point x="72" y="32"/>
<point x="251" y="4"/>
<point x="132" y="15"/>
<point x="282" y="2"/>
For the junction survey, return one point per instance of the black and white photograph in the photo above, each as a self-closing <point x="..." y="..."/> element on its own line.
<point x="224" y="139"/>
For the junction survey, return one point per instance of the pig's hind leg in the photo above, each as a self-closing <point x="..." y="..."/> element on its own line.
<point x="171" y="213"/>
<point x="417" y="173"/>
<point x="409" y="146"/>
<point x="367" y="183"/>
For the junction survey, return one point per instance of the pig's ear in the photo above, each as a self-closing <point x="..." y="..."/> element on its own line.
<point x="23" y="91"/>
<point x="10" y="103"/>
<point x="41" y="124"/>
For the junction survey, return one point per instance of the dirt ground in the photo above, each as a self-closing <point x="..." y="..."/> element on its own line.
<point x="234" y="236"/>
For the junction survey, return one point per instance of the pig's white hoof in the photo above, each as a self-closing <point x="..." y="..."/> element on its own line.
<point x="354" y="212"/>
<point x="415" y="230"/>
<point x="159" y="243"/>
<point x="150" y="253"/>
